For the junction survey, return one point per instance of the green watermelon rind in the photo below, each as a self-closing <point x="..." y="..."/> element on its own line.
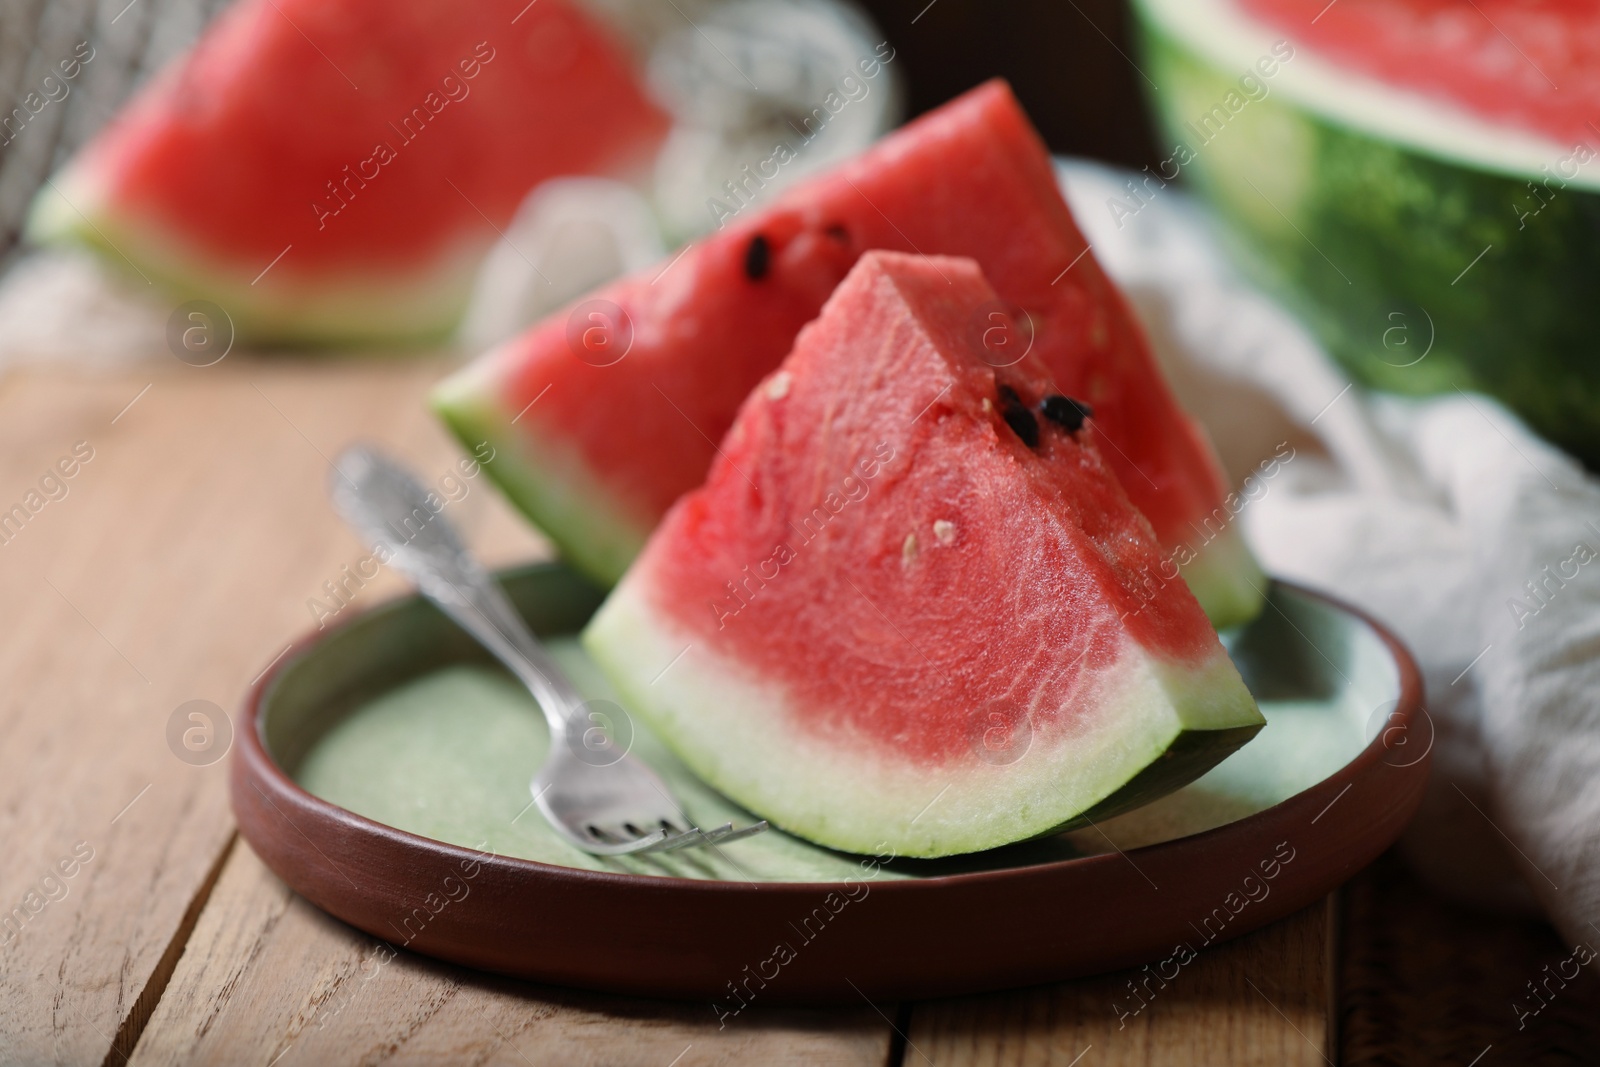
<point x="265" y="310"/>
<point x="1165" y="725"/>
<point x="1407" y="260"/>
<point x="581" y="523"/>
<point x="553" y="488"/>
<point x="1226" y="579"/>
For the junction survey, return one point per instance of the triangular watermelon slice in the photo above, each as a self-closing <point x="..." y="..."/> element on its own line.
<point x="912" y="608"/>
<point x="603" y="414"/>
<point x="334" y="170"/>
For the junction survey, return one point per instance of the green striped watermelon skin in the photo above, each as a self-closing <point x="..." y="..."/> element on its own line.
<point x="1420" y="273"/>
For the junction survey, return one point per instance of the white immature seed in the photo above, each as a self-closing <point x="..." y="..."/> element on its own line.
<point x="908" y="551"/>
<point x="778" y="386"/>
<point x="944" y="530"/>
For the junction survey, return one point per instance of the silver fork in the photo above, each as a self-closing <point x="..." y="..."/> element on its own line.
<point x="600" y="799"/>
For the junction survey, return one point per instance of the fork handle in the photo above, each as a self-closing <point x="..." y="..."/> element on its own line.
<point x="387" y="506"/>
<point x="476" y="603"/>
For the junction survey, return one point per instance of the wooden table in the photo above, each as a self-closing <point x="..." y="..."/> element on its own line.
<point x="178" y="564"/>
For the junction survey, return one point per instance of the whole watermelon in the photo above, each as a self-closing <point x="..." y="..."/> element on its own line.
<point x="1418" y="179"/>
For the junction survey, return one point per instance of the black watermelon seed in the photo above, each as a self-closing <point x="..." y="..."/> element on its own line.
<point x="837" y="232"/>
<point x="756" y="257"/>
<point x="1066" y="412"/>
<point x="1018" y="417"/>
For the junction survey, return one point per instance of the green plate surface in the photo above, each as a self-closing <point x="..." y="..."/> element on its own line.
<point x="398" y="718"/>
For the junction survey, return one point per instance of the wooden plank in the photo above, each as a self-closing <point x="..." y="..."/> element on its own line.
<point x="1264" y="999"/>
<point x="267" y="972"/>
<point x="1425" y="981"/>
<point x="177" y="563"/>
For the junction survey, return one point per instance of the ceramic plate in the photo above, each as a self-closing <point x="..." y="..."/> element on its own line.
<point x="383" y="770"/>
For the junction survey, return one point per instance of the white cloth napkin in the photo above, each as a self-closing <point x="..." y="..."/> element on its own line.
<point x="1431" y="514"/>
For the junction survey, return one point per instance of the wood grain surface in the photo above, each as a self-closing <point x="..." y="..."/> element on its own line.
<point x="177" y="565"/>
<point x="1425" y="982"/>
<point x="1261" y="1001"/>
<point x="267" y="972"/>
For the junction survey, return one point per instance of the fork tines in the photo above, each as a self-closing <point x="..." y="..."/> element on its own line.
<point x="628" y="841"/>
<point x="726" y="833"/>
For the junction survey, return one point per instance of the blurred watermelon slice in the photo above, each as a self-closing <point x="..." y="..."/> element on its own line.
<point x="605" y="413"/>
<point x="335" y="171"/>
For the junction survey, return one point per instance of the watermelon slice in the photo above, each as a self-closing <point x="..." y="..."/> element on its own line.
<point x="1419" y="179"/>
<point x="645" y="376"/>
<point x="912" y="608"/>
<point x="334" y="170"/>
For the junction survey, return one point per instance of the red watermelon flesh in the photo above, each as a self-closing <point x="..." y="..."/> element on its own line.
<point x="1528" y="65"/>
<point x="595" y="448"/>
<point x="335" y="169"/>
<point x="909" y="608"/>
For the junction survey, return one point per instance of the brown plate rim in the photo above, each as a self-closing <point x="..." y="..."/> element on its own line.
<point x="253" y="763"/>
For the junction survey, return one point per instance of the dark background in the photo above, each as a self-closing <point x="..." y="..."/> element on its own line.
<point x="1070" y="61"/>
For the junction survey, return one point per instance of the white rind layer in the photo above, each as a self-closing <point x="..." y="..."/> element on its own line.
<point x="1226" y="579"/>
<point x="742" y="735"/>
<point x="278" y="304"/>
<point x="543" y="475"/>
<point x="1232" y="41"/>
